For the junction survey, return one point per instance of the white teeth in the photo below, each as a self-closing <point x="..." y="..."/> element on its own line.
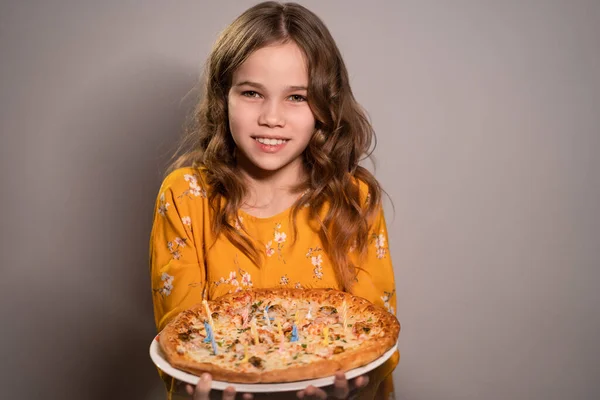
<point x="270" y="142"/>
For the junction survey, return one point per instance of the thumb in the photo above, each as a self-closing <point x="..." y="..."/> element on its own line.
<point x="203" y="387"/>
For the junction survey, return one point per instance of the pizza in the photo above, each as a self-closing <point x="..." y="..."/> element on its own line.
<point x="278" y="335"/>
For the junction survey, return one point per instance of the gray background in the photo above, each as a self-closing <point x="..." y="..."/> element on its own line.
<point x="488" y="119"/>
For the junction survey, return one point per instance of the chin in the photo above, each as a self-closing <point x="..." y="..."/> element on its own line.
<point x="270" y="167"/>
<point x="273" y="165"/>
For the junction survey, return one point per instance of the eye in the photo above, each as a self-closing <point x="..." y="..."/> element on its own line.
<point x="250" y="93"/>
<point x="297" y="98"/>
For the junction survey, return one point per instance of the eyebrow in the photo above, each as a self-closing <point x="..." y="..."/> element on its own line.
<point x="262" y="87"/>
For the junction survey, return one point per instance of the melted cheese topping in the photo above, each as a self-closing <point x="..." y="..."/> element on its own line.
<point x="319" y="337"/>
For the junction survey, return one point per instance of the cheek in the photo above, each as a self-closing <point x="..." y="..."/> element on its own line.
<point x="304" y="122"/>
<point x="239" y="117"/>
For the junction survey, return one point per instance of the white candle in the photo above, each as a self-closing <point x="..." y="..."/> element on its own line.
<point x="266" y="315"/>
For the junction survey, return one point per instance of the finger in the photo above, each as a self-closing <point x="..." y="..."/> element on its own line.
<point x="360" y="382"/>
<point x="229" y="393"/>
<point x="308" y="392"/>
<point x="313" y="392"/>
<point x="203" y="387"/>
<point x="247" y="396"/>
<point x="320" y="394"/>
<point x="189" y="389"/>
<point x="341" y="388"/>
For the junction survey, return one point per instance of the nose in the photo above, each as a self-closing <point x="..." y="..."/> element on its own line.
<point x="271" y="115"/>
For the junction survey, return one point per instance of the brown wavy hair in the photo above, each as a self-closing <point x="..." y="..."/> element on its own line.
<point x="343" y="136"/>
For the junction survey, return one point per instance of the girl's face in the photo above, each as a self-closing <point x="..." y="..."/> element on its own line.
<point x="269" y="117"/>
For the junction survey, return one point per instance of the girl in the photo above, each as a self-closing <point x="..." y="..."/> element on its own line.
<point x="267" y="190"/>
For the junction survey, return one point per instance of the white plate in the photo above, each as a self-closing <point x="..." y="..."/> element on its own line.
<point x="161" y="362"/>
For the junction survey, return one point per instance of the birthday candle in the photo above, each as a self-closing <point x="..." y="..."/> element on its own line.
<point x="294" y="334"/>
<point x="254" y="331"/>
<point x="210" y="337"/>
<point x="214" y="344"/>
<point x="245" y="317"/>
<point x="279" y="330"/>
<point x="326" y="336"/>
<point x="210" y="320"/>
<point x="245" y="352"/>
<point x="208" y="332"/>
<point x="297" y="317"/>
<point x="266" y="315"/>
<point x="309" y="315"/>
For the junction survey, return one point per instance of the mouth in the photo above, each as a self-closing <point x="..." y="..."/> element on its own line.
<point x="271" y="141"/>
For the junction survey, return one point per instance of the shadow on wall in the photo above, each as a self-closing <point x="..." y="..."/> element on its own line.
<point x="119" y="134"/>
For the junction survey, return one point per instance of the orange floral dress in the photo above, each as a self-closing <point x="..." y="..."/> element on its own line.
<point x="188" y="264"/>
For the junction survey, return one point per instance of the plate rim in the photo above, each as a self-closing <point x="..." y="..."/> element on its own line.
<point x="161" y="362"/>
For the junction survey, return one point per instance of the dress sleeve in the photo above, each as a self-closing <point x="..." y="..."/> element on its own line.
<point x="177" y="271"/>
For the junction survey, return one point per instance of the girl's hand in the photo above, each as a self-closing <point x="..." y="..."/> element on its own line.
<point x="341" y="388"/>
<point x="202" y="390"/>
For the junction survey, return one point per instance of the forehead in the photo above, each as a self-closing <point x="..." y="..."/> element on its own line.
<point x="275" y="65"/>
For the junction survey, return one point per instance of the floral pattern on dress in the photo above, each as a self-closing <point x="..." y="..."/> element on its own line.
<point x="243" y="283"/>
<point x="187" y="222"/>
<point x="387" y="296"/>
<point x="269" y="250"/>
<point x="284" y="280"/>
<point x="298" y="285"/>
<point x="317" y="261"/>
<point x="167" y="285"/>
<point x="195" y="189"/>
<point x="163" y="205"/>
<point x="279" y="238"/>
<point x="379" y="244"/>
<point x="175" y="246"/>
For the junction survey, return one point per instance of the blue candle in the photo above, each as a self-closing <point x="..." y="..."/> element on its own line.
<point x="208" y="332"/>
<point x="214" y="344"/>
<point x="294" y="334"/>
<point x="210" y="337"/>
<point x="267" y="313"/>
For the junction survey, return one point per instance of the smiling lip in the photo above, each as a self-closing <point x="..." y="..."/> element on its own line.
<point x="270" y="137"/>
<point x="273" y="145"/>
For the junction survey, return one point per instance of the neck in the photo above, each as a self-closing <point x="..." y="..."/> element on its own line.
<point x="268" y="187"/>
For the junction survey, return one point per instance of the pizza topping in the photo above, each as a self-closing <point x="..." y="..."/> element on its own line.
<point x="328" y="310"/>
<point x="361" y="327"/>
<point x="256" y="361"/>
<point x="232" y="344"/>
<point x="237" y="320"/>
<point x="338" y="349"/>
<point x="180" y="349"/>
<point x="267" y="335"/>
<point x="256" y="305"/>
<point x="276" y="311"/>
<point x="245" y="317"/>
